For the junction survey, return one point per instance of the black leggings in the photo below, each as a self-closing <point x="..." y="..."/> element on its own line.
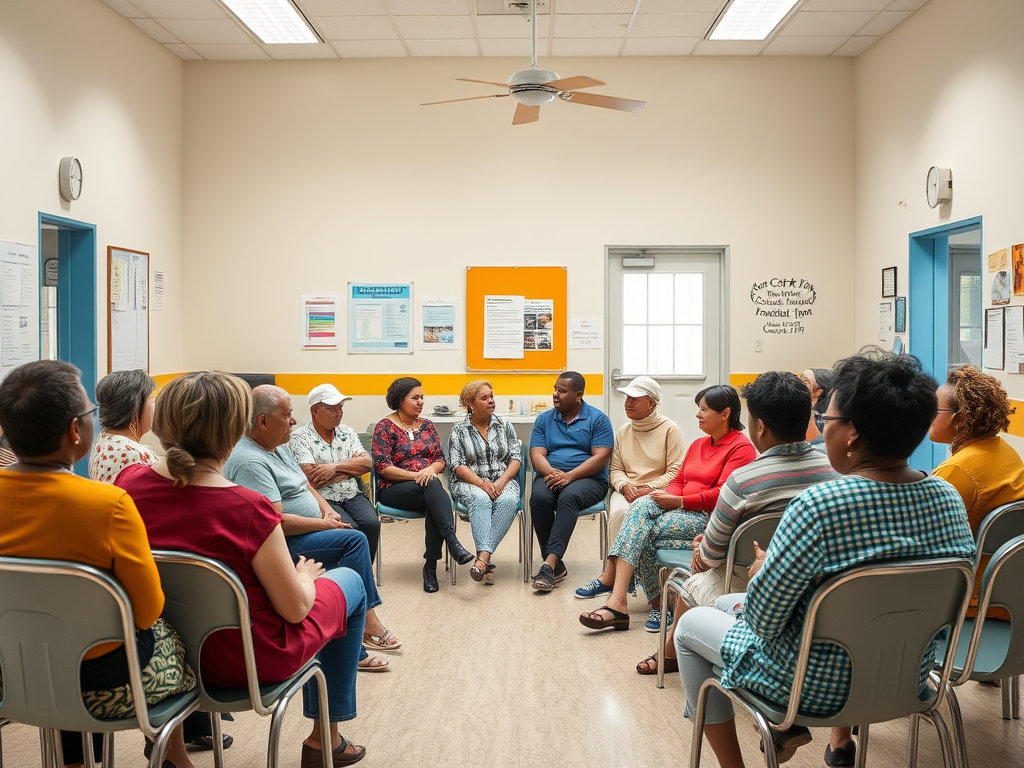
<point x="431" y="499"/>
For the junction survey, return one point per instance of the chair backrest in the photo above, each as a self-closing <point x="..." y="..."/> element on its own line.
<point x="51" y="613"/>
<point x="202" y="596"/>
<point x="885" y="615"/>
<point x="1001" y="585"/>
<point x="999" y="526"/>
<point x="741" y="545"/>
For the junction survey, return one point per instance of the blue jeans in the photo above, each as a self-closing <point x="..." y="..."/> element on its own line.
<point x="339" y="659"/>
<point x="339" y="548"/>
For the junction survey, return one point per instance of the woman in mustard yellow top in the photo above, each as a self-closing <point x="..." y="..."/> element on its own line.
<point x="46" y="511"/>
<point x="985" y="470"/>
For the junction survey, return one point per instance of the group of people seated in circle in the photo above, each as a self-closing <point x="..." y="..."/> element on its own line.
<point x="283" y="508"/>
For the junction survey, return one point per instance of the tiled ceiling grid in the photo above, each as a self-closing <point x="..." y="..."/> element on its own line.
<point x="205" y="29"/>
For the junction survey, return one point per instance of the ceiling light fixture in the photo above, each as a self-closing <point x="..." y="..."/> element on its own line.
<point x="273" y="21"/>
<point x="750" y="19"/>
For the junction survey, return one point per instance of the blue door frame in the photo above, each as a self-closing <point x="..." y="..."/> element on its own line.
<point x="76" y="299"/>
<point x="928" y="320"/>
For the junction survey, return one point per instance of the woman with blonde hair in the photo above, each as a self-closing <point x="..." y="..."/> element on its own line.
<point x="485" y="457"/>
<point x="298" y="610"/>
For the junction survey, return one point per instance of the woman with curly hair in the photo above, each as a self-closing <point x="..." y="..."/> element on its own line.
<point x="985" y="470"/>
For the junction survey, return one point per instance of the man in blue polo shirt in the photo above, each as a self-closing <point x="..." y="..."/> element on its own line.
<point x="570" y="448"/>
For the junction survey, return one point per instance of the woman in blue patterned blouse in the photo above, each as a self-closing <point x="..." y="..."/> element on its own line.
<point x="881" y="409"/>
<point x="485" y="457"/>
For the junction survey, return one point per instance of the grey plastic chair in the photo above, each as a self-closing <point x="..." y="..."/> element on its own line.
<point x="740" y="552"/>
<point x="203" y="596"/>
<point x="51" y="613"/>
<point x="884" y="615"/>
<point x="462" y="513"/>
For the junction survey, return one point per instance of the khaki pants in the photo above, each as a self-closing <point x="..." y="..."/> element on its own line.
<point x="617" y="508"/>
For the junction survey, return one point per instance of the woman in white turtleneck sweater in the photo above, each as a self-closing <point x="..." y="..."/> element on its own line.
<point x="648" y="451"/>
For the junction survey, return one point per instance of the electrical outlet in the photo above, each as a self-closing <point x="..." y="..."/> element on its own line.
<point x="758" y="345"/>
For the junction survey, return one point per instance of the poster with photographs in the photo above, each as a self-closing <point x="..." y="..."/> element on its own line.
<point x="538" y="323"/>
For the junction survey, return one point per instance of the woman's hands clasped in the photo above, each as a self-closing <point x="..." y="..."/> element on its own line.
<point x="309" y="570"/>
<point x="424" y="476"/>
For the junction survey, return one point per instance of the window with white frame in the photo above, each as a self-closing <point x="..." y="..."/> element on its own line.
<point x="663" y="324"/>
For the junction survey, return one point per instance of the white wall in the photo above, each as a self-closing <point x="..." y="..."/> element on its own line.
<point x="302" y="176"/>
<point x="78" y="79"/>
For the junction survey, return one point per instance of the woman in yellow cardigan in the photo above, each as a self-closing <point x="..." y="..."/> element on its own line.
<point x="46" y="511"/>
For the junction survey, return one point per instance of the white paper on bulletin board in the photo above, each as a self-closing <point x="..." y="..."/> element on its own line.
<point x="19" y="305"/>
<point x="129" y="310"/>
<point x="439" y="325"/>
<point x="1014" y="333"/>
<point x="993" y="354"/>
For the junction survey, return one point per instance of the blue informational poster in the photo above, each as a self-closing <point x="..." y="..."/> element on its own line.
<point x="380" y="318"/>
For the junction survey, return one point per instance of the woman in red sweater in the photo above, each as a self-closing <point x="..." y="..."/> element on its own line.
<point x="671" y="518"/>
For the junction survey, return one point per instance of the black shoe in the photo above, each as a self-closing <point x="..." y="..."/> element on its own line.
<point x="560" y="572"/>
<point x="430" y="579"/>
<point x="544" y="581"/>
<point x="843" y="756"/>
<point x="787" y="742"/>
<point x="459" y="552"/>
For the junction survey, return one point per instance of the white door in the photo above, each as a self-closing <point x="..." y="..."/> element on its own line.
<point x="666" y="318"/>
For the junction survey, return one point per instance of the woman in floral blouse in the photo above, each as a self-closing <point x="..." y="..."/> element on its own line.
<point x="407" y="458"/>
<point x="485" y="459"/>
<point x="125" y="402"/>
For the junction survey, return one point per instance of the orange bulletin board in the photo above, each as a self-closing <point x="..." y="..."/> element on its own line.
<point x="531" y="283"/>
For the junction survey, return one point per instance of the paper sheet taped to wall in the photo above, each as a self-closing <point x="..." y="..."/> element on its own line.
<point x="19" y="305"/>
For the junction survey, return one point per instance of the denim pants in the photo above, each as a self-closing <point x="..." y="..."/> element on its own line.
<point x="489" y="519"/>
<point x="698" y="640"/>
<point x="339" y="548"/>
<point x="339" y="659"/>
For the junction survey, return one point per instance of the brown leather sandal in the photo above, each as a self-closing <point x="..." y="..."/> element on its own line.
<point x="649" y="666"/>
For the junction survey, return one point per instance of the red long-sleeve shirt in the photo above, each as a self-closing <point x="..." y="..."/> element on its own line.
<point x="707" y="466"/>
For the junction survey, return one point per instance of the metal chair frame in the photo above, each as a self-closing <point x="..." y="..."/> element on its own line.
<point x="193" y="585"/>
<point x="950" y="734"/>
<point x="38" y="675"/>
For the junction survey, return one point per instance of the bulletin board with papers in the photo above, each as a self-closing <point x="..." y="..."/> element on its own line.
<point x="128" y="309"/>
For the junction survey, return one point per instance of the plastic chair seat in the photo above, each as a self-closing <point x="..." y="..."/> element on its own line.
<point x="383" y="510"/>
<point x="226" y="699"/>
<point x="992" y="649"/>
<point x="674" y="558"/>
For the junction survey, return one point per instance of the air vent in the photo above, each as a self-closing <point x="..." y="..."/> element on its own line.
<point x="508" y="8"/>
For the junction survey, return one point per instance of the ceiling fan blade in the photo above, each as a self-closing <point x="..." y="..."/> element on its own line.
<point x="482" y="82"/>
<point x="471" y="98"/>
<point x="572" y="83"/>
<point x="525" y="114"/>
<point x="600" y="100"/>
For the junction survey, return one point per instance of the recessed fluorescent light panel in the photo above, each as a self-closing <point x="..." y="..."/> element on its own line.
<point x="273" y="21"/>
<point x="751" y="19"/>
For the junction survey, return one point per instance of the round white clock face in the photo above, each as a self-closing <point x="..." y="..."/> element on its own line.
<point x="932" y="187"/>
<point x="70" y="178"/>
<point x="75" y="178"/>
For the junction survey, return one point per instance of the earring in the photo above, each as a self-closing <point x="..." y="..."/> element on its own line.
<point x="849" y="454"/>
<point x="78" y="440"/>
<point x="957" y="427"/>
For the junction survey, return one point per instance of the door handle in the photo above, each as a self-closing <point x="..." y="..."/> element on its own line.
<point x="618" y="377"/>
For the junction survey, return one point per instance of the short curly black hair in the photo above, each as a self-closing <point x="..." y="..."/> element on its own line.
<point x="399" y="390"/>
<point x="889" y="398"/>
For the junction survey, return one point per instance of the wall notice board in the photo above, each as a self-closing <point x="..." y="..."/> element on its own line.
<point x="128" y="302"/>
<point x="516" y="318"/>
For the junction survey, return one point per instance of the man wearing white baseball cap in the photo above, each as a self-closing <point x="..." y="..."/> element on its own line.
<point x="648" y="453"/>
<point x="332" y="457"/>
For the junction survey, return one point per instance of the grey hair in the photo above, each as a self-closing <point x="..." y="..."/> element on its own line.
<point x="265" y="399"/>
<point x="122" y="396"/>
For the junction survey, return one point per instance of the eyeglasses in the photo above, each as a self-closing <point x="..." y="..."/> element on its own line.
<point x="949" y="410"/>
<point x="90" y="412"/>
<point x="823" y="418"/>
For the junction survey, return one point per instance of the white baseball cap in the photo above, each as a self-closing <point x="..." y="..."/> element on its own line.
<point x="642" y="386"/>
<point x="327" y="394"/>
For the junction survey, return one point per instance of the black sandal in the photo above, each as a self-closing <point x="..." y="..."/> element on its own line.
<point x="477" y="572"/>
<point x="618" y="621"/>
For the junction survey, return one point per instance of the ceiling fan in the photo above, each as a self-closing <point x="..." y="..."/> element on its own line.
<point x="533" y="88"/>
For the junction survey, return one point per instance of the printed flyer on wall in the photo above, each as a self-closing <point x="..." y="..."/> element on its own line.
<point x="319" y="322"/>
<point x="380" y="318"/>
<point x="439" y="324"/>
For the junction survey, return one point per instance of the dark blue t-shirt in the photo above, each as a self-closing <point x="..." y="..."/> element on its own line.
<point x="569" y="445"/>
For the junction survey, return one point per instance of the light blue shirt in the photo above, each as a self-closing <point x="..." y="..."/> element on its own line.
<point x="275" y="474"/>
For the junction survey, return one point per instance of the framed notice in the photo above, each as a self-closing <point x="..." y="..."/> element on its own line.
<point x="380" y="318"/>
<point x="127" y="309"/>
<point x="889" y="283"/>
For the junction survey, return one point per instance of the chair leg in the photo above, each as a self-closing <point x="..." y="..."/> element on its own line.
<point x="912" y="740"/>
<point x="602" y="536"/>
<point x="1014" y="699"/>
<point x="380" y="556"/>
<point x="1009" y="702"/>
<point x="662" y="635"/>
<point x="108" y="750"/>
<point x="862" y="746"/>
<point x="956" y="721"/>
<point x="697" y="740"/>
<point x="218" y="740"/>
<point x="87" y="757"/>
<point x="949" y="759"/>
<point x="455" y="570"/>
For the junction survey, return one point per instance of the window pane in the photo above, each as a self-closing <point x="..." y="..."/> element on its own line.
<point x="690" y="297"/>
<point x="660" y="295"/>
<point x="689" y="350"/>
<point x="634" y="350"/>
<point x="634" y="299"/>
<point x="659" y="349"/>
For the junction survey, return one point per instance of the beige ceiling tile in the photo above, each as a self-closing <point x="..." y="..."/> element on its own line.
<point x="575" y="46"/>
<point x="369" y="49"/>
<point x="207" y="31"/>
<point x="660" y="46"/>
<point x="183" y="52"/>
<point x="506" y="47"/>
<point x="182" y="9"/>
<point x="301" y="51"/>
<point x="679" y="6"/>
<point x="342" y="7"/>
<point x="884" y="22"/>
<point x="434" y="27"/>
<point x="803" y="46"/>
<point x="595" y="6"/>
<point x="906" y="5"/>
<point x="356" y="28"/>
<point x="155" y="31"/>
<point x="845" y="5"/>
<point x="825" y="24"/>
<point x="435" y="7"/>
<point x="442" y="47"/>
<point x="594" y="25"/>
<point x="728" y="48"/>
<point x="855" y="46"/>
<point x="250" y="52"/>
<point x="510" y="26"/>
<point x="672" y="25"/>
<point x="125" y="8"/>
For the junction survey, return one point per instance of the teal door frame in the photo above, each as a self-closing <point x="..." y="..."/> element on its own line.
<point x="928" y="313"/>
<point x="76" y="299"/>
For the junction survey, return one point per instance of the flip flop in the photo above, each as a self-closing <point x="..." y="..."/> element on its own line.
<point x="374" y="664"/>
<point x="385" y="642"/>
<point x="593" y="620"/>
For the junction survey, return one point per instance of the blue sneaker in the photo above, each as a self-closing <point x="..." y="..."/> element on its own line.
<point x="593" y="589"/>
<point x="654" y="620"/>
